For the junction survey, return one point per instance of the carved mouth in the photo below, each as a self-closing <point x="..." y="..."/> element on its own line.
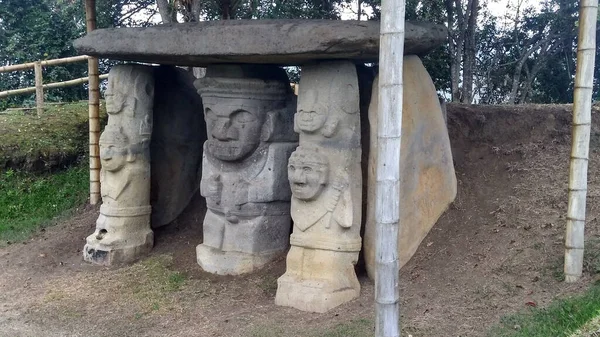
<point x="299" y="187"/>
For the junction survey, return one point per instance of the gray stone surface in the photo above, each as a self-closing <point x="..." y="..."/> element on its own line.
<point x="285" y="42"/>
<point x="248" y="111"/>
<point x="326" y="181"/>
<point x="176" y="146"/>
<point x="123" y="231"/>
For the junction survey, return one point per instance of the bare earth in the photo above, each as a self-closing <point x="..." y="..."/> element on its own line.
<point x="498" y="247"/>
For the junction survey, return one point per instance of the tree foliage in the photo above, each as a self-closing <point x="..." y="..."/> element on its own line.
<point x="526" y="55"/>
<point x="32" y="30"/>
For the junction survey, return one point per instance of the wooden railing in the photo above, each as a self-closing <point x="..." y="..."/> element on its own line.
<point x="39" y="86"/>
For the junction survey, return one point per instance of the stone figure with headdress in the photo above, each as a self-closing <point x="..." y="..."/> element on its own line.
<point x="248" y="111"/>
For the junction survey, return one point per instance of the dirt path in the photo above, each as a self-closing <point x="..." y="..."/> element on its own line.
<point x="498" y="247"/>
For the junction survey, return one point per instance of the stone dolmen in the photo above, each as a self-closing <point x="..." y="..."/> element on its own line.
<point x="278" y="172"/>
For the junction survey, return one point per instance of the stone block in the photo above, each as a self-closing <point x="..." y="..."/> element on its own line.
<point x="427" y="177"/>
<point x="176" y="146"/>
<point x="283" y="42"/>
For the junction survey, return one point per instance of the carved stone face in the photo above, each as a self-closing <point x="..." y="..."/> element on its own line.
<point x="310" y="121"/>
<point x="113" y="150"/>
<point x="233" y="130"/>
<point x="307" y="175"/>
<point x="113" y="158"/>
<point x="115" y="97"/>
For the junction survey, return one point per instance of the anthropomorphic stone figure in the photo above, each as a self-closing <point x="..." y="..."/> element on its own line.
<point x="248" y="111"/>
<point x="123" y="228"/>
<point x="325" y="178"/>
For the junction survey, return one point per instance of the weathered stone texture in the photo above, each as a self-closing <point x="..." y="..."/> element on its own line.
<point x="284" y="42"/>
<point x="248" y="112"/>
<point x="176" y="146"/>
<point x="427" y="178"/>
<point x="123" y="228"/>
<point x="325" y="178"/>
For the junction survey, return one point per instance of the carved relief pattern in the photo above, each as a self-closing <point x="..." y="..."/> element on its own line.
<point x="123" y="227"/>
<point x="244" y="180"/>
<point x="325" y="178"/>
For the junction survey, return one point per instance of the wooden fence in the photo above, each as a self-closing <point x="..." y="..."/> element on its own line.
<point x="39" y="86"/>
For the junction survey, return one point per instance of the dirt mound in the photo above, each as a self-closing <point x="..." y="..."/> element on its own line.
<point x="498" y="247"/>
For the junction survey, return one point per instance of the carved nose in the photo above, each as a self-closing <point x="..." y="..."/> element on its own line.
<point x="221" y="130"/>
<point x="299" y="177"/>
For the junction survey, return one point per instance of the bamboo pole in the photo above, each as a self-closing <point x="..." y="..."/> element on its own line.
<point x="582" y="119"/>
<point x="94" y="109"/>
<point x="44" y="63"/>
<point x="39" y="88"/>
<point x="63" y="84"/>
<point x="387" y="200"/>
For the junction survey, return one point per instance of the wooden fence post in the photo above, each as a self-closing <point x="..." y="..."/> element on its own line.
<point x="94" y="109"/>
<point x="580" y="147"/>
<point x="39" y="87"/>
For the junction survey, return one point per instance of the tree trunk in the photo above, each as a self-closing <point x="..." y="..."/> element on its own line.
<point x="516" y="82"/>
<point x="387" y="190"/>
<point x="456" y="37"/>
<point x="582" y="119"/>
<point x="469" y="58"/>
<point x="166" y="11"/>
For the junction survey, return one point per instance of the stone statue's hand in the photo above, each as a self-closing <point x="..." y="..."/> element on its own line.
<point x="330" y="128"/>
<point x="212" y="186"/>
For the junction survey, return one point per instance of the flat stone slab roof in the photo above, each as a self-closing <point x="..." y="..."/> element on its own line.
<point x="283" y="42"/>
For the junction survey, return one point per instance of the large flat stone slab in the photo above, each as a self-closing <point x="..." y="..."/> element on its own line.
<point x="283" y="42"/>
<point x="427" y="177"/>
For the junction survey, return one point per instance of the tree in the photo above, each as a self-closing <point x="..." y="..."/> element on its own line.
<point x="33" y="30"/>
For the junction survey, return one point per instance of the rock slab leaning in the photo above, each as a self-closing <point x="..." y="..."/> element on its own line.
<point x="427" y="177"/>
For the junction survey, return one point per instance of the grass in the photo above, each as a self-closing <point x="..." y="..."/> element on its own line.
<point x="29" y="201"/>
<point x="51" y="140"/>
<point x="562" y="318"/>
<point x="590" y="329"/>
<point x="30" y="148"/>
<point x="151" y="282"/>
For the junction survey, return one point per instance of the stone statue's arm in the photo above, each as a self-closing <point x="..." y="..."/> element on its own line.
<point x="342" y="214"/>
<point x="211" y="186"/>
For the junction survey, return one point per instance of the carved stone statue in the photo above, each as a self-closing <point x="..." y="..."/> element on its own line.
<point x="248" y="111"/>
<point x="325" y="178"/>
<point x="123" y="228"/>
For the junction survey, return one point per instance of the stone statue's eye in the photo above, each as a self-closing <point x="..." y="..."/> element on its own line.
<point x="209" y="115"/>
<point x="307" y="169"/>
<point x="292" y="168"/>
<point x="242" y="116"/>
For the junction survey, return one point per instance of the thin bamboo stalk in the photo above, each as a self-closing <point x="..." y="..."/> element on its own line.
<point x="39" y="88"/>
<point x="387" y="201"/>
<point x="63" y="84"/>
<point x="44" y="63"/>
<point x="94" y="109"/>
<point x="582" y="119"/>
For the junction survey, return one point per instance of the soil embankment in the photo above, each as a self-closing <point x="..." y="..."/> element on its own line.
<point x="498" y="248"/>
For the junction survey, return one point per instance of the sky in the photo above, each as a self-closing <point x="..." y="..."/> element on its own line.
<point x="496" y="7"/>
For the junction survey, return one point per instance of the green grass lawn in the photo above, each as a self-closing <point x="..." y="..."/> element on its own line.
<point x="562" y="318"/>
<point x="40" y="178"/>
<point x="29" y="201"/>
<point x="41" y="143"/>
